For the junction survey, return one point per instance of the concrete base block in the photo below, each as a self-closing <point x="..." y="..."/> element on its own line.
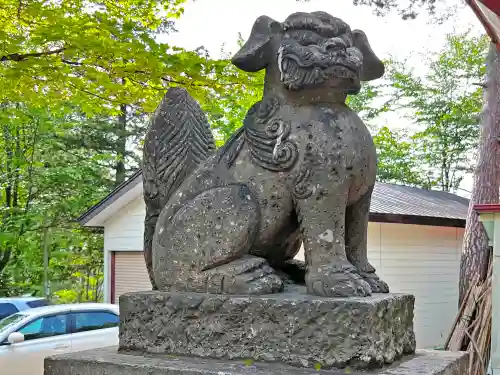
<point x="107" y="361"/>
<point x="291" y="327"/>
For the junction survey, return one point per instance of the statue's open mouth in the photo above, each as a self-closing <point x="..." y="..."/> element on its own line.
<point x="329" y="61"/>
<point x="302" y="65"/>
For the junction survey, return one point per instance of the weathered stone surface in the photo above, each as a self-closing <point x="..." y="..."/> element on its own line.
<point x="301" y="169"/>
<point x="107" y="361"/>
<point x="291" y="327"/>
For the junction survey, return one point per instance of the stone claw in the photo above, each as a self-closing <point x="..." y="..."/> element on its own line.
<point x="267" y="284"/>
<point x="377" y="285"/>
<point x="247" y="275"/>
<point x="362" y="266"/>
<point x="337" y="280"/>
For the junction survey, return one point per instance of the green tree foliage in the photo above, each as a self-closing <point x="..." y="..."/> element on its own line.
<point x="105" y="57"/>
<point x="90" y="52"/>
<point x="227" y="109"/>
<point x="364" y="103"/>
<point x="408" y="9"/>
<point x="43" y="185"/>
<point x="439" y="10"/>
<point x="397" y="160"/>
<point x="78" y="80"/>
<point x="445" y="104"/>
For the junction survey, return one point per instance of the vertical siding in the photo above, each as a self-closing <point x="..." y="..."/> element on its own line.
<point x="423" y="261"/>
<point x="420" y="260"/>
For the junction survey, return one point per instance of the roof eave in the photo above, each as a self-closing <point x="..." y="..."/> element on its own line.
<point x="416" y="220"/>
<point x="124" y="193"/>
<point x="487" y="208"/>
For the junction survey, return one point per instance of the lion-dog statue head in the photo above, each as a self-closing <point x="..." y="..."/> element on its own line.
<point x="309" y="51"/>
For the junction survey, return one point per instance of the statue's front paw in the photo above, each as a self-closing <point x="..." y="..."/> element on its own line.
<point x="376" y="284"/>
<point x="336" y="280"/>
<point x="246" y="275"/>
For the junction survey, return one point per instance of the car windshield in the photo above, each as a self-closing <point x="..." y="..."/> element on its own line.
<point x="38" y="303"/>
<point x="5" y="323"/>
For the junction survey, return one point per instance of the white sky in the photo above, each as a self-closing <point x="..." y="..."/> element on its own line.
<point x="216" y="23"/>
<point x="212" y="23"/>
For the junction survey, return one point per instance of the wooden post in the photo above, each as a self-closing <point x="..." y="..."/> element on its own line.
<point x="489" y="217"/>
<point x="495" y="291"/>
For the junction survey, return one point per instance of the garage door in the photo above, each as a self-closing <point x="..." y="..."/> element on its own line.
<point x="130" y="273"/>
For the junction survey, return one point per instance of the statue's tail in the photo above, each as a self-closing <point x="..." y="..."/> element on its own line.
<point x="177" y="141"/>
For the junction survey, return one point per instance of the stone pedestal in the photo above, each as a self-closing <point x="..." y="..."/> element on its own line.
<point x="281" y="334"/>
<point x="291" y="327"/>
<point x="107" y="361"/>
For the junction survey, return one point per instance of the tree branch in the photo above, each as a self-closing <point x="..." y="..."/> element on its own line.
<point x="20" y="57"/>
<point x="19" y="7"/>
<point x="93" y="94"/>
<point x="75" y="63"/>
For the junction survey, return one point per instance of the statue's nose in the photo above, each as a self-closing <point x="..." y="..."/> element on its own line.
<point x="334" y="44"/>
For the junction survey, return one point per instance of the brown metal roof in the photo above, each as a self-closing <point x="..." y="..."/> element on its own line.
<point x="405" y="200"/>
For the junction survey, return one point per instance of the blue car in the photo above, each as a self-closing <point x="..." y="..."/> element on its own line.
<point x="12" y="305"/>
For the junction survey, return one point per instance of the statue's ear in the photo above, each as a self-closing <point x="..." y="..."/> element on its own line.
<point x="255" y="53"/>
<point x="373" y="68"/>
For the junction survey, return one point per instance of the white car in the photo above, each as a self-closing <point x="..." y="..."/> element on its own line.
<point x="29" y="336"/>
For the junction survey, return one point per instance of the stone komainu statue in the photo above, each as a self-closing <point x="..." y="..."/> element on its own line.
<point x="301" y="169"/>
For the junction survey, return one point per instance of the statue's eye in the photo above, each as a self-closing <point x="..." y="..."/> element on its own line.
<point x="307" y="43"/>
<point x="305" y="37"/>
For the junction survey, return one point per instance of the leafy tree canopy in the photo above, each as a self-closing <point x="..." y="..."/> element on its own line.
<point x="445" y="104"/>
<point x="96" y="54"/>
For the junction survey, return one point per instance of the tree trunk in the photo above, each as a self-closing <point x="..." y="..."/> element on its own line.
<point x="6" y="252"/>
<point x="121" y="144"/>
<point x="475" y="250"/>
<point x="11" y="203"/>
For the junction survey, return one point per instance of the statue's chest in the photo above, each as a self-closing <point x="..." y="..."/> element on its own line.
<point x="265" y="139"/>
